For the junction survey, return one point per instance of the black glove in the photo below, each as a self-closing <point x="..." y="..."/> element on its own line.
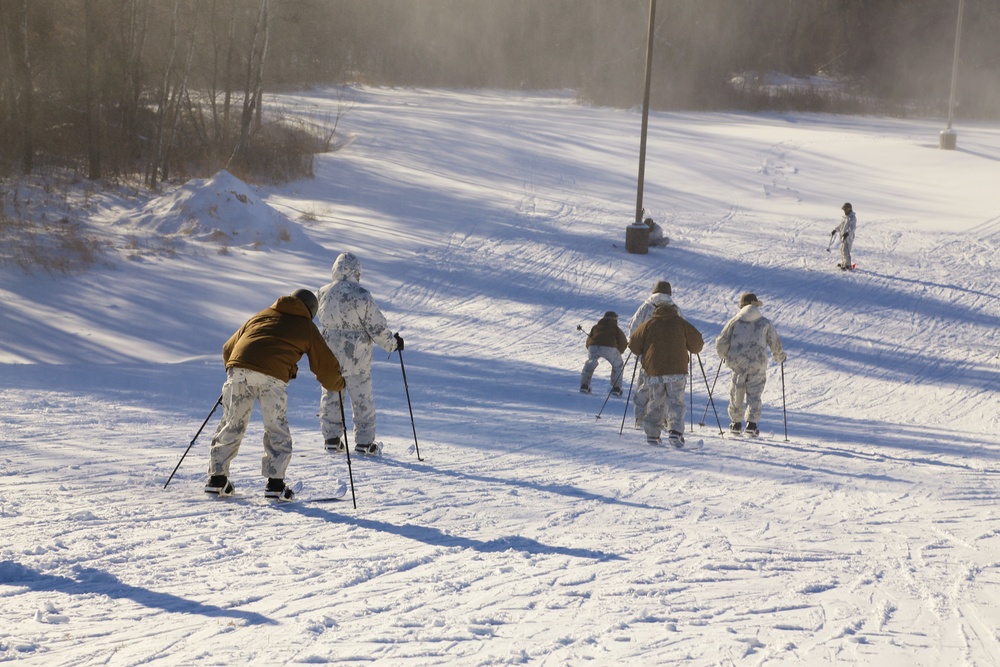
<point x="833" y="232"/>
<point x="845" y="236"/>
<point x="399" y="342"/>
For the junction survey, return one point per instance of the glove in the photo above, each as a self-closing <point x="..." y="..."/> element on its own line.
<point x="399" y="342"/>
<point x="845" y="236"/>
<point x="833" y="232"/>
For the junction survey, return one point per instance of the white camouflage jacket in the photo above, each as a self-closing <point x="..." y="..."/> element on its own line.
<point x="744" y="341"/>
<point x="645" y="311"/>
<point x="350" y="320"/>
<point x="848" y="225"/>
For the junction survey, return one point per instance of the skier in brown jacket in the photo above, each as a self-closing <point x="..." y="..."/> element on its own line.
<point x="606" y="340"/>
<point x="664" y="343"/>
<point x="261" y="358"/>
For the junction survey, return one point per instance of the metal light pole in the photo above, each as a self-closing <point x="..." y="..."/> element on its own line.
<point x="949" y="138"/>
<point x="645" y="111"/>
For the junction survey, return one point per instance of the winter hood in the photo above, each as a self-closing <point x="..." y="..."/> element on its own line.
<point x="347" y="267"/>
<point x="660" y="299"/>
<point x="750" y="313"/>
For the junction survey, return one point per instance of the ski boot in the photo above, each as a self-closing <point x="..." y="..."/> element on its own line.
<point x="278" y="490"/>
<point x="220" y="486"/>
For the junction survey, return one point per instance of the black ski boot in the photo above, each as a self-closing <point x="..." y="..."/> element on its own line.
<point x="335" y="445"/>
<point x="277" y="489"/>
<point x="369" y="449"/>
<point x="736" y="428"/>
<point x="220" y="486"/>
<point x="676" y="438"/>
<point x="752" y="429"/>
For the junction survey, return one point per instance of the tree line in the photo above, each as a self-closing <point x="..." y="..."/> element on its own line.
<point x="158" y="88"/>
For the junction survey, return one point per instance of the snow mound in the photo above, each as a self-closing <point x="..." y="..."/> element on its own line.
<point x="221" y="209"/>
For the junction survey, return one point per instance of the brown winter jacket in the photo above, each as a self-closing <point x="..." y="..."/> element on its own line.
<point x="273" y="341"/>
<point x="607" y="333"/>
<point x="664" y="341"/>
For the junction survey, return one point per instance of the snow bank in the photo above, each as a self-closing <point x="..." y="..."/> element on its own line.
<point x="222" y="210"/>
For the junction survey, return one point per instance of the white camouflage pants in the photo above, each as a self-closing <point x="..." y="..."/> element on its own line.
<point x="748" y="387"/>
<point x="666" y="402"/>
<point x="241" y="389"/>
<point x="359" y="392"/>
<point x="845" y="253"/>
<point x="613" y="357"/>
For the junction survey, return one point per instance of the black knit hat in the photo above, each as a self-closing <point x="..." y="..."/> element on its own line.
<point x="749" y="299"/>
<point x="662" y="287"/>
<point x="309" y="299"/>
<point x="611" y="315"/>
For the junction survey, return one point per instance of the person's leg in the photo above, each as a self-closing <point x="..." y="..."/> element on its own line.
<point x="330" y="423"/>
<point x="755" y="381"/>
<point x="589" y="366"/>
<point x="272" y="394"/>
<point x="640" y="398"/>
<point x="237" y="404"/>
<point x="652" y="422"/>
<point x="617" y="366"/>
<point x="737" y="394"/>
<point x="675" y="404"/>
<point x="362" y="407"/>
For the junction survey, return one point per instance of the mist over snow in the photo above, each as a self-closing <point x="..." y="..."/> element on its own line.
<point x="491" y="225"/>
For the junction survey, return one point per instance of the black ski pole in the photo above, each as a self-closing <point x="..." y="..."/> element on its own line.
<point x="784" y="412"/>
<point x="711" y="391"/>
<point x="347" y="448"/>
<point x="712" y="402"/>
<point x="828" y="245"/>
<point x="214" y="408"/>
<point x="614" y="383"/>
<point x="629" y="397"/>
<point x="416" y="447"/>
<point x="691" y="388"/>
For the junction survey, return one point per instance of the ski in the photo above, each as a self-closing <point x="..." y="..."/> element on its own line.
<point x="339" y="494"/>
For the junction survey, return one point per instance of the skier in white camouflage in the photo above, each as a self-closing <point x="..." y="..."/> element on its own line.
<point x="352" y="324"/>
<point x="742" y="345"/>
<point x="661" y="295"/>
<point x="846" y="229"/>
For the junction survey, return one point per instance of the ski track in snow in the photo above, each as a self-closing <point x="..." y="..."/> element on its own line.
<point x="534" y="533"/>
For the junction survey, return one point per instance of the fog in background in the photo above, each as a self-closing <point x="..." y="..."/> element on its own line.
<point x="159" y="88"/>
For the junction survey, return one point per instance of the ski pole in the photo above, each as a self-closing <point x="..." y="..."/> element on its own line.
<point x="712" y="402"/>
<point x="214" y="408"/>
<point x="784" y="412"/>
<point x="347" y="448"/>
<point x="614" y="383"/>
<point x="416" y="447"/>
<point x="830" y="244"/>
<point x="629" y="397"/>
<point x="711" y="391"/>
<point x="691" y="388"/>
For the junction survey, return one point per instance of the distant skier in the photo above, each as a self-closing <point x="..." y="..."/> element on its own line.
<point x="261" y="358"/>
<point x="845" y="230"/>
<point x="656" y="237"/>
<point x="351" y="324"/>
<point x="661" y="295"/>
<point x="742" y="345"/>
<point x="663" y="343"/>
<point x="607" y="341"/>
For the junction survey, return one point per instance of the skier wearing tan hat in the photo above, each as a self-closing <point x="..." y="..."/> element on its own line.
<point x="742" y="345"/>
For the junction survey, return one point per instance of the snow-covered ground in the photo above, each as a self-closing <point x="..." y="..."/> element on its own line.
<point x="491" y="225"/>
